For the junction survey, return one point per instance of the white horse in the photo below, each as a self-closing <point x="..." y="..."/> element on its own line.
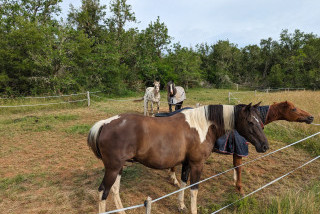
<point x="152" y="95"/>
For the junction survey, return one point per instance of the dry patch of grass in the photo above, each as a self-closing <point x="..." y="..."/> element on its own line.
<point x="47" y="167"/>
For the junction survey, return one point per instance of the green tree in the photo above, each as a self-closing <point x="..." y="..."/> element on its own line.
<point x="186" y="64"/>
<point x="89" y="18"/>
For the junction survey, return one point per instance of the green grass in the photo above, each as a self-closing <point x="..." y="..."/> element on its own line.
<point x="79" y="129"/>
<point x="20" y="181"/>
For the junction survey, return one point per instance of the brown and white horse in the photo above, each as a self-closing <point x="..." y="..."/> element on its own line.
<point x="162" y="143"/>
<point x="277" y="111"/>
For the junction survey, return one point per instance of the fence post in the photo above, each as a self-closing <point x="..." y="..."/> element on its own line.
<point x="255" y="92"/>
<point x="147" y="204"/>
<point x="237" y="87"/>
<point x="88" y="96"/>
<point x="229" y="96"/>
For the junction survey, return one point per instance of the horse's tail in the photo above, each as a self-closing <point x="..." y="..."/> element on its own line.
<point x="93" y="137"/>
<point x="138" y="100"/>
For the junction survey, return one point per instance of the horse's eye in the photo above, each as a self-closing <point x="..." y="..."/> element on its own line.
<point x="294" y="109"/>
<point x="251" y="123"/>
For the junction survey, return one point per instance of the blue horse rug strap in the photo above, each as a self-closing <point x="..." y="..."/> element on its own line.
<point x="232" y="143"/>
<point x="264" y="110"/>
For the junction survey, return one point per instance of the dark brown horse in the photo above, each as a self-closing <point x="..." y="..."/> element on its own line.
<point x="176" y="95"/>
<point x="162" y="143"/>
<point x="277" y="111"/>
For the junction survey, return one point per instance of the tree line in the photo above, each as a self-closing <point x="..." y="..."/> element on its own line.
<point x="95" y="49"/>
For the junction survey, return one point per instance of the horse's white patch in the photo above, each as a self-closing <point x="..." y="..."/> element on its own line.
<point x="256" y="119"/>
<point x="196" y="118"/>
<point x="171" y="91"/>
<point x="123" y="122"/>
<point x="102" y="206"/>
<point x="194" y="194"/>
<point x="115" y="189"/>
<point x="95" y="128"/>
<point x="235" y="177"/>
<point x="100" y="123"/>
<point x="181" y="196"/>
<point x="174" y="178"/>
<point x="228" y="117"/>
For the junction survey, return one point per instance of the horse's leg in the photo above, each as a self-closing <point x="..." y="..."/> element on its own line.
<point x="178" y="106"/>
<point x="145" y="107"/>
<point x="237" y="161"/>
<point x="184" y="179"/>
<point x="172" y="172"/>
<point x="115" y="189"/>
<point x="110" y="176"/>
<point x="170" y="108"/>
<point x="195" y="174"/>
<point x="151" y="107"/>
<point x="158" y="106"/>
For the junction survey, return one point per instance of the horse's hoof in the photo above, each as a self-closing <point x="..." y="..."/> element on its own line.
<point x="240" y="191"/>
<point x="177" y="184"/>
<point x="183" y="209"/>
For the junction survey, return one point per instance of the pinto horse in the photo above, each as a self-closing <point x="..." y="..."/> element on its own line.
<point x="176" y="95"/>
<point x="152" y="142"/>
<point x="277" y="111"/>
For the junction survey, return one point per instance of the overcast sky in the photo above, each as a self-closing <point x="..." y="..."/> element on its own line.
<point x="242" y="22"/>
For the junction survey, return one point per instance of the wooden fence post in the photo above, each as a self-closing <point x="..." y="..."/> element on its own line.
<point x="237" y="87"/>
<point x="255" y="92"/>
<point x="148" y="205"/>
<point x="88" y="96"/>
<point x="229" y="96"/>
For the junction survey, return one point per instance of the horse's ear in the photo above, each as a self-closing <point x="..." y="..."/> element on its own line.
<point x="248" y="107"/>
<point x="257" y="105"/>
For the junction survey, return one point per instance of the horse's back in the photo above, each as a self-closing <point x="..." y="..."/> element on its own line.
<point x="149" y="140"/>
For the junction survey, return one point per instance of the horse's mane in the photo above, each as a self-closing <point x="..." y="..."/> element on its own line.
<point x="224" y="115"/>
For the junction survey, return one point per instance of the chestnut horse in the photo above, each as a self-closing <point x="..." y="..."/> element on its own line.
<point x="277" y="111"/>
<point x="161" y="143"/>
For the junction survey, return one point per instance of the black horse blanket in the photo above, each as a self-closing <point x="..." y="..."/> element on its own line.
<point x="232" y="142"/>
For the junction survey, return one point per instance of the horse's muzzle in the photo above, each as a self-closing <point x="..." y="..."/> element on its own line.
<point x="265" y="148"/>
<point x="262" y="149"/>
<point x="309" y="119"/>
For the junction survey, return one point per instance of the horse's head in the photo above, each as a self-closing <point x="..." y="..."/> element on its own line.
<point x="156" y="86"/>
<point x="171" y="89"/>
<point x="287" y="111"/>
<point x="249" y="125"/>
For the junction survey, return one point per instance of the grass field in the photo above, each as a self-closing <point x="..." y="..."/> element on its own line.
<point x="47" y="167"/>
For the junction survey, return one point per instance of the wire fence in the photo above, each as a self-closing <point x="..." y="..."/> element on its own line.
<point x="230" y="97"/>
<point x="246" y="163"/>
<point x="266" y="185"/>
<point x="87" y="94"/>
